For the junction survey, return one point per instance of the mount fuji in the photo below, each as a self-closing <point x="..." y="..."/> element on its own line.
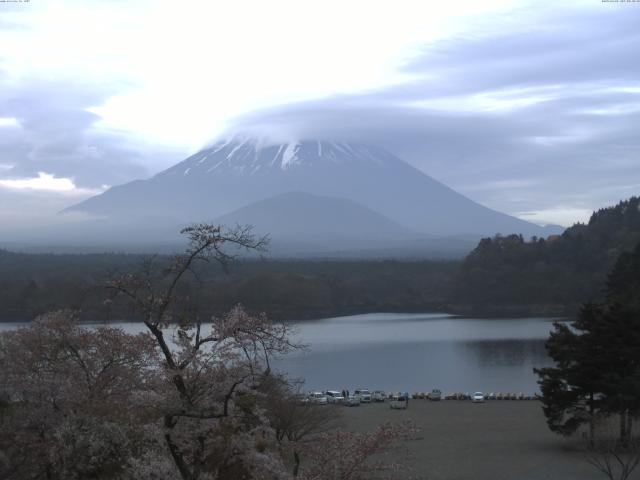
<point x="322" y="194"/>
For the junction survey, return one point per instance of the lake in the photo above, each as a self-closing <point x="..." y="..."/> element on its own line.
<point x="415" y="352"/>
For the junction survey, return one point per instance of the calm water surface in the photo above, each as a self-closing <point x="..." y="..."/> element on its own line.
<point x="415" y="352"/>
<point x="421" y="352"/>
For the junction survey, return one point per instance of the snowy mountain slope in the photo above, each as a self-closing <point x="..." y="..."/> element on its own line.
<point x="240" y="171"/>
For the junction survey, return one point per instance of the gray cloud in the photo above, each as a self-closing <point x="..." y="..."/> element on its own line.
<point x="542" y="117"/>
<point x="56" y="134"/>
<point x="570" y="46"/>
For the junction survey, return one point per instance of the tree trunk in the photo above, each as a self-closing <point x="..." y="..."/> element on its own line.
<point x="592" y="420"/>
<point x="623" y="427"/>
<point x="178" y="459"/>
<point x="296" y="463"/>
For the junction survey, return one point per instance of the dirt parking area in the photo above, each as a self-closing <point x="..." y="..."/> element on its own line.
<point x="493" y="440"/>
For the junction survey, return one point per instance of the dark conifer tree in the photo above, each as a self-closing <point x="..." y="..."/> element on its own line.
<point x="597" y="358"/>
<point x="572" y="391"/>
<point x="621" y="327"/>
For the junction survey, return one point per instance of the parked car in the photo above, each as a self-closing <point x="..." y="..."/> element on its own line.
<point x="334" y="396"/>
<point x="318" y="398"/>
<point x="378" y="396"/>
<point x="363" y="395"/>
<point x="435" y="395"/>
<point x="352" y="401"/>
<point x="398" y="402"/>
<point x="477" y="397"/>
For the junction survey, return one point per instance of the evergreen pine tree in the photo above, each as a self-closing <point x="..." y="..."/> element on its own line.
<point x="597" y="358"/>
<point x="572" y="391"/>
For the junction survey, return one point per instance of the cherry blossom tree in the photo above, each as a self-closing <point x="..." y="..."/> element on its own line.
<point x="72" y="397"/>
<point x="345" y="455"/>
<point x="212" y="422"/>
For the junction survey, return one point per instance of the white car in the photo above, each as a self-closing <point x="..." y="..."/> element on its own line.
<point x="477" y="397"/>
<point x="398" y="402"/>
<point x="352" y="401"/>
<point x="333" y="396"/>
<point x="378" y="396"/>
<point x="363" y="395"/>
<point x="435" y="395"/>
<point x="317" y="398"/>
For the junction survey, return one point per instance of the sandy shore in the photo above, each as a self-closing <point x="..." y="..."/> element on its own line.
<point x="495" y="440"/>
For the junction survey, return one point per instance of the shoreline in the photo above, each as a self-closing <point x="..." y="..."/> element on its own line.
<point x="455" y="312"/>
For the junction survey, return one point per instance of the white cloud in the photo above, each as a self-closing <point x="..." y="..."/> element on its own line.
<point x="565" y="216"/>
<point x="493" y="101"/>
<point x="46" y="182"/>
<point x="508" y="184"/>
<point x="620" y="109"/>
<point x="184" y="71"/>
<point x="8" y="122"/>
<point x="572" y="135"/>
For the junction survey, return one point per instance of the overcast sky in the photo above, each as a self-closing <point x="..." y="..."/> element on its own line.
<point x="531" y="108"/>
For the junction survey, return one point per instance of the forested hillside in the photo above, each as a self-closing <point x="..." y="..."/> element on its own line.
<point x="503" y="276"/>
<point x="32" y="284"/>
<point x="555" y="274"/>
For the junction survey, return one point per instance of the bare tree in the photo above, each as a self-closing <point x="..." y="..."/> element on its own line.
<point x="615" y="458"/>
<point x="296" y="421"/>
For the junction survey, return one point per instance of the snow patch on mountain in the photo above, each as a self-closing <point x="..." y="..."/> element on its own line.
<point x="250" y="156"/>
<point x="290" y="155"/>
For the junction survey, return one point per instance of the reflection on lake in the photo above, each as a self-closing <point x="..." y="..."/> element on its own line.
<point x="414" y="352"/>
<point x="420" y="352"/>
